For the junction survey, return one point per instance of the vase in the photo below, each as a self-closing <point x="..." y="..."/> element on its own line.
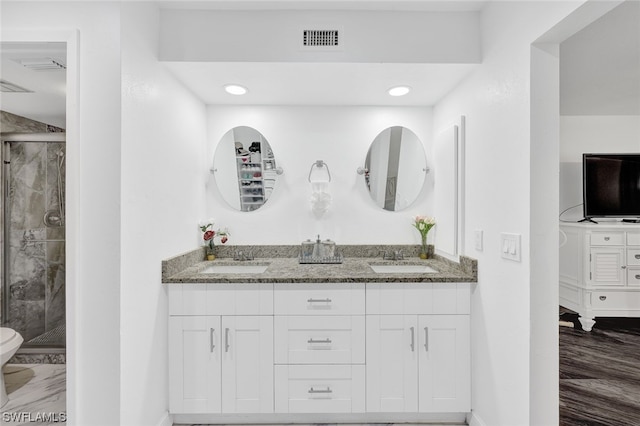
<point x="211" y="253"/>
<point x="424" y="254"/>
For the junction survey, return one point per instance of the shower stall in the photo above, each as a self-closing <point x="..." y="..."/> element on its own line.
<point x="32" y="291"/>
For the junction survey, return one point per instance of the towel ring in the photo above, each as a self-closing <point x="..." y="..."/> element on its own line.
<point x="320" y="164"/>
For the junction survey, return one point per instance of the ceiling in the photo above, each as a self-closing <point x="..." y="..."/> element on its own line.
<point x="600" y="68"/>
<point x="319" y="83"/>
<point x="45" y="101"/>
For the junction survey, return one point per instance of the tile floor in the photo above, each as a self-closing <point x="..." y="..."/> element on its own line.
<point x="37" y="394"/>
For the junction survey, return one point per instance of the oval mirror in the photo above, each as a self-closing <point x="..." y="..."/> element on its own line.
<point x="244" y="168"/>
<point x="395" y="168"/>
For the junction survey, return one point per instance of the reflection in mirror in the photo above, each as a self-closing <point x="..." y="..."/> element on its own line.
<point x="244" y="168"/>
<point x="395" y="168"/>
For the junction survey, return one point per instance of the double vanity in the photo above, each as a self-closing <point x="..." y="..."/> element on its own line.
<point x="273" y="340"/>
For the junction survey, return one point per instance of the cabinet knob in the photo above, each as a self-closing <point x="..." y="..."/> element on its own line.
<point x="325" y="341"/>
<point x="603" y="298"/>
<point x="606" y="238"/>
<point x="637" y="276"/>
<point x="327" y="300"/>
<point x="326" y="390"/>
<point x="624" y="267"/>
<point x="637" y="256"/>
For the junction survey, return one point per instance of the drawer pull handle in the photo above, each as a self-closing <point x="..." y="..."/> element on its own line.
<point x="603" y="298"/>
<point x="426" y="339"/>
<point x="327" y="300"/>
<point x="327" y="341"/>
<point x="606" y="238"/>
<point x="327" y="390"/>
<point x="211" y="344"/>
<point x="637" y="256"/>
<point x="226" y="340"/>
<point x="637" y="276"/>
<point x="413" y="340"/>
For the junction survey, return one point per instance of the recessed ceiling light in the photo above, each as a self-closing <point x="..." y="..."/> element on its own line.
<point x="235" y="89"/>
<point x="399" y="90"/>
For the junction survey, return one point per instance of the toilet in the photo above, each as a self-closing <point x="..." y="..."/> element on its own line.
<point x="10" y="341"/>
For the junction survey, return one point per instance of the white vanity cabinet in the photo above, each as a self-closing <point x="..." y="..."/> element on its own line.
<point x="221" y="348"/>
<point x="418" y="347"/>
<point x="336" y="351"/>
<point x="600" y="270"/>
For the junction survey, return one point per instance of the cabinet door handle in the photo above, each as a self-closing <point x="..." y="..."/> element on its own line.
<point x="211" y="344"/>
<point x="637" y="256"/>
<point x="624" y="267"/>
<point x="226" y="340"/>
<point x="413" y="340"/>
<point x="327" y="300"/>
<point x="327" y="341"/>
<point x="603" y="298"/>
<point x="637" y="276"/>
<point x="327" y="390"/>
<point x="426" y="339"/>
<point x="606" y="238"/>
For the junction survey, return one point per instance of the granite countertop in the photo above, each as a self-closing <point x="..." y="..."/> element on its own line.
<point x="187" y="268"/>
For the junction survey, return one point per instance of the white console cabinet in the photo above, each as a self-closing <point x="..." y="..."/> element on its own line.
<point x="338" y="349"/>
<point x="600" y="270"/>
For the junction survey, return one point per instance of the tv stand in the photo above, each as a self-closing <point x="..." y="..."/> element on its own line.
<point x="600" y="270"/>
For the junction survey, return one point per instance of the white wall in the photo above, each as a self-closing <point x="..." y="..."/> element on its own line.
<point x="496" y="102"/>
<point x="93" y="198"/>
<point x="276" y="36"/>
<point x="163" y="176"/>
<point x="596" y="134"/>
<point x="340" y="136"/>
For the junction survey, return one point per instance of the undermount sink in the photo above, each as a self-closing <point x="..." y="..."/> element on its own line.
<point x="234" y="269"/>
<point x="402" y="269"/>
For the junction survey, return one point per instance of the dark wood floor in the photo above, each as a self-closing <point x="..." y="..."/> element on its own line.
<point x="600" y="373"/>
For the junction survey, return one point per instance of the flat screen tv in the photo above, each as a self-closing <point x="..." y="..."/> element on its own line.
<point x="611" y="185"/>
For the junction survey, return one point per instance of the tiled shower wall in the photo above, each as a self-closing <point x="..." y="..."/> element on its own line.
<point x="37" y="267"/>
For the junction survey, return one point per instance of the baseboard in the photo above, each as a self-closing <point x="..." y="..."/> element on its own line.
<point x="474" y="420"/>
<point x="285" y="419"/>
<point x="167" y="420"/>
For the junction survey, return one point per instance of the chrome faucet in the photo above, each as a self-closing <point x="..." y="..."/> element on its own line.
<point x="394" y="255"/>
<point x="240" y="255"/>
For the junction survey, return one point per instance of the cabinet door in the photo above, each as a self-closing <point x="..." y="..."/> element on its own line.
<point x="392" y="363"/>
<point x="194" y="364"/>
<point x="607" y="266"/>
<point x="444" y="363"/>
<point x="247" y="364"/>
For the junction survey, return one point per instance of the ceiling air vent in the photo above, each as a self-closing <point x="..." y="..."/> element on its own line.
<point x="8" y="87"/>
<point x="320" y="38"/>
<point x="42" y="64"/>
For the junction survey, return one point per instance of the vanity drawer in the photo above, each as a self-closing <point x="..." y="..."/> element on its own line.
<point x="221" y="299"/>
<point x="633" y="238"/>
<point x="633" y="257"/>
<point x="319" y="388"/>
<point x="418" y="298"/>
<point x="633" y="277"/>
<point x="615" y="301"/>
<point x="607" y="238"/>
<point x="319" y="299"/>
<point x="319" y="339"/>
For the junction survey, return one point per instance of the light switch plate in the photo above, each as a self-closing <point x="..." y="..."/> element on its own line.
<point x="510" y="246"/>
